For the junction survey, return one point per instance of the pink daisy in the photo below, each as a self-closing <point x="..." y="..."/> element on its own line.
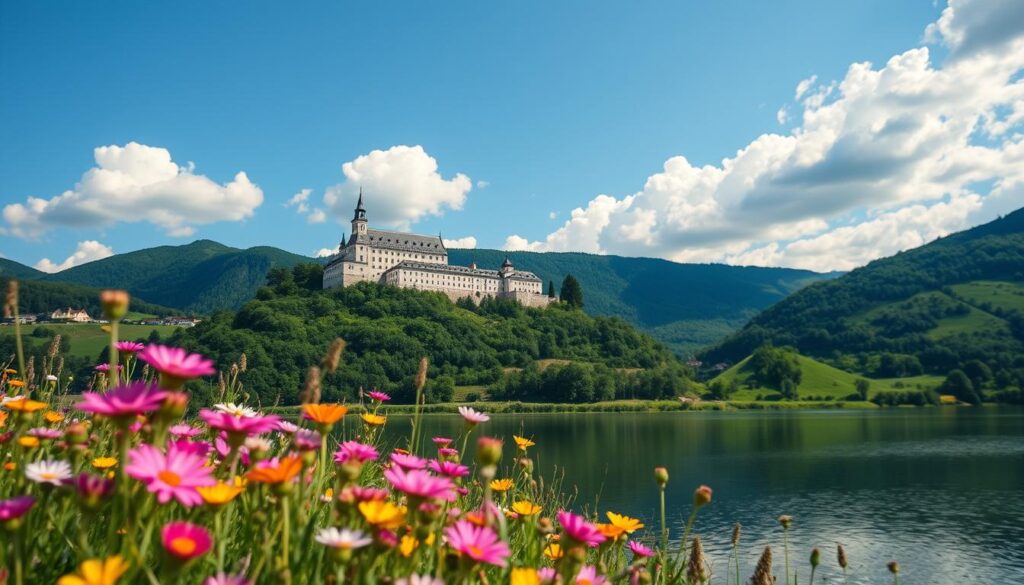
<point x="287" y="427"/>
<point x="185" y="540"/>
<point x="355" y="451"/>
<point x="441" y="441"/>
<point x="408" y="461"/>
<point x="473" y="417"/>
<point x="448" y="453"/>
<point x="640" y="550"/>
<point x="417" y="483"/>
<point x="126" y="401"/>
<point x="588" y="576"/>
<point x="306" y="440"/>
<point x="225" y="579"/>
<point x="175" y="474"/>
<point x="479" y="543"/>
<point x="449" y="469"/>
<point x="104" y="368"/>
<point x="46" y="433"/>
<point x="129" y="346"/>
<point x="239" y="425"/>
<point x="578" y="529"/>
<point x="546" y="574"/>
<point x="378" y="396"/>
<point x="176" y="362"/>
<point x="15" y="507"/>
<point x="184" y="430"/>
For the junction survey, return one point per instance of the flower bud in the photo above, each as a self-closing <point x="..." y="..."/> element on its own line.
<point x="661" y="476"/>
<point x="841" y="556"/>
<point x="701" y="497"/>
<point x="76" y="434"/>
<point x="786" y="521"/>
<point x="174" y="406"/>
<point x="488" y="451"/>
<point x="815" y="557"/>
<point x="527" y="464"/>
<point x="894" y="567"/>
<point x="114" y="303"/>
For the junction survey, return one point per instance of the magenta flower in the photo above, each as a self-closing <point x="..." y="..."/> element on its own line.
<point x="129" y="346"/>
<point x="417" y="483"/>
<point x="45" y="433"/>
<point x="578" y="529"/>
<point x="184" y="430"/>
<point x="408" y="461"/>
<point x="640" y="550"/>
<point x="378" y="396"/>
<point x="287" y="427"/>
<point x="104" y="368"/>
<point x="473" y="417"/>
<point x="239" y="424"/>
<point x="306" y="440"/>
<point x="355" y="451"/>
<point x="175" y="474"/>
<point x="225" y="579"/>
<point x="546" y="574"/>
<point x="441" y="441"/>
<point x="92" y="489"/>
<point x="449" y="469"/>
<point x="200" y="448"/>
<point x="448" y="453"/>
<point x="185" y="540"/>
<point x="588" y="576"/>
<point x="15" y="508"/>
<point x="478" y="543"/>
<point x="127" y="401"/>
<point x="176" y="362"/>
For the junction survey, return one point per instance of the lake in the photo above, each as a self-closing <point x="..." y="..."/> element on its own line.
<point x="941" y="490"/>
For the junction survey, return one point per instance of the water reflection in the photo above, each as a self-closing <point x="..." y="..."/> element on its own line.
<point x="941" y="490"/>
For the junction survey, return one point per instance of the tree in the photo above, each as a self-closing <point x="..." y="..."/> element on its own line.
<point x="788" y="389"/>
<point x="772" y="366"/>
<point x="863" y="387"/>
<point x="551" y="289"/>
<point x="978" y="372"/>
<point x="572" y="292"/>
<point x="958" y="384"/>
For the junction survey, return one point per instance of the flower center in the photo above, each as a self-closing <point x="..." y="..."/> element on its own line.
<point x="170" y="478"/>
<point x="49" y="476"/>
<point x="476" y="551"/>
<point x="584" y="582"/>
<point x="183" y="546"/>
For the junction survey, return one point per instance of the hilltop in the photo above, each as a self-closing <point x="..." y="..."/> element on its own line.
<point x="954" y="301"/>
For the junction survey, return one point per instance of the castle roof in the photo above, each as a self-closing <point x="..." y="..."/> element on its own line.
<point x="461" y="270"/>
<point x="400" y="241"/>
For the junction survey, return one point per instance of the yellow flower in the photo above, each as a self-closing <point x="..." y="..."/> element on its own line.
<point x="524" y="576"/>
<point x="104" y="462"/>
<point x="410" y="543"/>
<point x="28" y="442"/>
<point x="16" y="383"/>
<point x="502" y="485"/>
<point x="52" y="417"/>
<point x="97" y="572"/>
<point x="25" y="405"/>
<point x="382" y="514"/>
<point x="219" y="494"/>
<point x="553" y="551"/>
<point x="627" y="524"/>
<point x="10" y="371"/>
<point x="374" y="420"/>
<point x="525" y="508"/>
<point x="3" y="418"/>
<point x="610" y="531"/>
<point x="523" y="442"/>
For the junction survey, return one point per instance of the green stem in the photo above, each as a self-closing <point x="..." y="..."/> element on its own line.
<point x="785" y="544"/>
<point x="112" y="375"/>
<point x="812" y="575"/>
<point x="18" y="567"/>
<point x="286" y="525"/>
<point x="20" y="348"/>
<point x="664" y="525"/>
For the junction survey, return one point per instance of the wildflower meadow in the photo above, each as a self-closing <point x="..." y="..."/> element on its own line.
<point x="131" y="483"/>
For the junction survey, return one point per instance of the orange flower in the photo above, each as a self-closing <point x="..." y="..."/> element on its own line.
<point x="52" y="417"/>
<point x="526" y="508"/>
<point x="324" y="414"/>
<point x="523" y="442"/>
<point x="24" y="405"/>
<point x="502" y="485"/>
<point x="3" y="418"/>
<point x="382" y="514"/>
<point x="28" y="442"/>
<point x="374" y="420"/>
<point x="219" y="494"/>
<point x="286" y="470"/>
<point x="627" y="524"/>
<point x="524" y="576"/>
<point x="10" y="466"/>
<point x="16" y="383"/>
<point x="610" y="531"/>
<point x="553" y="551"/>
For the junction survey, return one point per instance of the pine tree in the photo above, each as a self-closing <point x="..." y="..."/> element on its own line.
<point x="551" y="289"/>
<point x="572" y="292"/>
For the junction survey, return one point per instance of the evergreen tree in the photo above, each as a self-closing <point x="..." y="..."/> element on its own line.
<point x="572" y="292"/>
<point x="551" y="289"/>
<point x="958" y="384"/>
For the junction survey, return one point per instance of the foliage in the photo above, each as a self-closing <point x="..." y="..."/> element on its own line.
<point x="388" y="329"/>
<point x="576" y="382"/>
<point x="958" y="384"/>
<point x="572" y="292"/>
<point x="774" y="367"/>
<point x="35" y="296"/>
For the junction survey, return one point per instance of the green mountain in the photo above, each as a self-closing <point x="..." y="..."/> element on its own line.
<point x="288" y="328"/>
<point x="686" y="306"/>
<point x="200" y="277"/>
<point x="949" y="304"/>
<point x="37" y="296"/>
<point x="12" y="269"/>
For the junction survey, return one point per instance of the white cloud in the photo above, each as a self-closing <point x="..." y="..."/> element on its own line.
<point x="300" y="201"/>
<point x="483" y="184"/>
<point x="782" y="115"/>
<point x="86" y="251"/>
<point x="316" y="216"/>
<point x="902" y="153"/>
<point x="553" y="215"/>
<point x="467" y="242"/>
<point x="136" y="183"/>
<point x="325" y="252"/>
<point x="401" y="185"/>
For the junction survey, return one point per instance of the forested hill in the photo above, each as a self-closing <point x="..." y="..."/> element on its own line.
<point x="36" y="296"/>
<point x="931" y="309"/>
<point x="288" y="328"/>
<point x="12" y="269"/>
<point x="200" y="277"/>
<point x="686" y="306"/>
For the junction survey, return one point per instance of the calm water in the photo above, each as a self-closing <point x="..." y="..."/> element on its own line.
<point x="940" y="490"/>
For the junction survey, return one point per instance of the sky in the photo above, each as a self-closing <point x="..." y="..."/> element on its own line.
<point x="794" y="133"/>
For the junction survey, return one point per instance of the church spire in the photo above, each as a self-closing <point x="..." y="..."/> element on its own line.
<point x="360" y="210"/>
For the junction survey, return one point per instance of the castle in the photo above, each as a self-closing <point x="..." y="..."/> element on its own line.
<point x="421" y="262"/>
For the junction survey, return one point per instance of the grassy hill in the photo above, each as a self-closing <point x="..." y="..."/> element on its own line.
<point x="928" y="310"/>
<point x="686" y="306"/>
<point x="200" y="277"/>
<point x="86" y="340"/>
<point x="38" y="296"/>
<point x="819" y="381"/>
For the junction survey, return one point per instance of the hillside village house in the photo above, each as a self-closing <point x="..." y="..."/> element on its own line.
<point x="69" y="314"/>
<point x="421" y="262"/>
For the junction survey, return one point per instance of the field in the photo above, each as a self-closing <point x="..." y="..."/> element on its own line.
<point x="1005" y="295"/>
<point x="87" y="339"/>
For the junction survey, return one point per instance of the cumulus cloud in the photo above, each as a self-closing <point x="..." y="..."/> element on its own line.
<point x="325" y="252"/>
<point x="86" y="251"/>
<point x="134" y="183"/>
<point x="482" y="184"/>
<point x="903" y="152"/>
<point x="316" y="216"/>
<point x="400" y="185"/>
<point x="300" y="201"/>
<point x="467" y="242"/>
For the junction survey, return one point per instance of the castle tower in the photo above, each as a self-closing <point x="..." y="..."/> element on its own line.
<point x="359" y="219"/>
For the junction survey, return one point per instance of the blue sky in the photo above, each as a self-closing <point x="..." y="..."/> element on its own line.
<point x="542" y="107"/>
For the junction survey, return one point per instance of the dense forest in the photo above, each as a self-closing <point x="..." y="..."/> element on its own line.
<point x="291" y="322"/>
<point x="929" y="310"/>
<point x="37" y="296"/>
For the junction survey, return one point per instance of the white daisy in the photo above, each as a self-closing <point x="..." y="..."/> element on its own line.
<point x="258" y="444"/>
<point x="51" y="472"/>
<point x="287" y="427"/>
<point x="236" y="409"/>
<point x="343" y="539"/>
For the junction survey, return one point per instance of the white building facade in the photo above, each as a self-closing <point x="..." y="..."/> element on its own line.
<point x="421" y="262"/>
